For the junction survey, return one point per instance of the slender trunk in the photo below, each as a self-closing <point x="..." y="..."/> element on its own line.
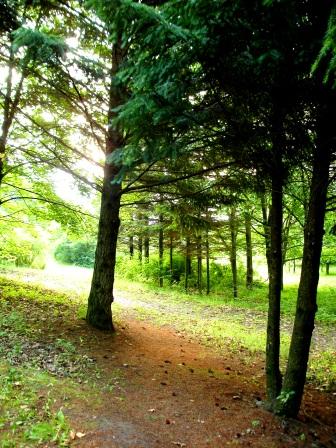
<point x="171" y="265"/>
<point x="146" y="248"/>
<point x="131" y="247"/>
<point x="273" y="374"/>
<point x="207" y="262"/>
<point x="327" y="267"/>
<point x="199" y="265"/>
<point x="249" y="262"/>
<point x="233" y="250"/>
<point x="187" y="264"/>
<point x="140" y="247"/>
<point x="161" y="251"/>
<point x="9" y="108"/>
<point x="266" y="226"/>
<point x="290" y="399"/>
<point x="99" y="313"/>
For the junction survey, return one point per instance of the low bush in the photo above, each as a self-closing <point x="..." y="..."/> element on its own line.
<point x="79" y="253"/>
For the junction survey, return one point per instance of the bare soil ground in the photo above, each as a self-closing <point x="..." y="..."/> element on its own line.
<point x="176" y="392"/>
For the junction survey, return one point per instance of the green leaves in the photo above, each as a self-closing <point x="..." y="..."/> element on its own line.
<point x="328" y="50"/>
<point x="41" y="47"/>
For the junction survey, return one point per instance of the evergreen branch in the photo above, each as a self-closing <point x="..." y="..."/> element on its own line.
<point x="177" y="179"/>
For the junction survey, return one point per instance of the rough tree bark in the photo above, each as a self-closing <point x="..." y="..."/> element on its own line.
<point x="99" y="313"/>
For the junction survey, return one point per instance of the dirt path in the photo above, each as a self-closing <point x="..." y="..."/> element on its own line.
<point x="175" y="392"/>
<point x="155" y="387"/>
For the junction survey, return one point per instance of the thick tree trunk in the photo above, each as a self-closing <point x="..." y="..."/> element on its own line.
<point x="233" y="250"/>
<point x="289" y="401"/>
<point x="249" y="259"/>
<point x="161" y="251"/>
<point x="99" y="313"/>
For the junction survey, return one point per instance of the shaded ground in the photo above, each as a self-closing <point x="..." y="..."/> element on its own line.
<point x="177" y="393"/>
<point x="151" y="386"/>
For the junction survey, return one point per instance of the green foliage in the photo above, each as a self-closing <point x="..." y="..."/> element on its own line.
<point x="22" y="249"/>
<point x="41" y="47"/>
<point x="79" y="253"/>
<point x="149" y="271"/>
<point x="328" y="50"/>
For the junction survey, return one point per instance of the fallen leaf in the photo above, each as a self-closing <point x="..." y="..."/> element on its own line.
<point x="79" y="435"/>
<point x="72" y="435"/>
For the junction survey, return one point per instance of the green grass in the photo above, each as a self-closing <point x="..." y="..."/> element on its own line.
<point x="29" y="413"/>
<point x="255" y="299"/>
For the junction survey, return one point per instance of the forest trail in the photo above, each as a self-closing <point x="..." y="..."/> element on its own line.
<point x="175" y="392"/>
<point x="152" y="385"/>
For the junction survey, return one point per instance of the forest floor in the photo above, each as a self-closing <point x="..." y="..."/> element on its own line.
<point x="153" y="383"/>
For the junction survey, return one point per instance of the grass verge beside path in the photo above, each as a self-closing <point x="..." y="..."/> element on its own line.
<point x="44" y="366"/>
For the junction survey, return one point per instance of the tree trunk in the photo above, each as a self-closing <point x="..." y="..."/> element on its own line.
<point x="146" y="248"/>
<point x="161" y="251"/>
<point x="233" y="250"/>
<point x="207" y="262"/>
<point x="187" y="264"/>
<point x="273" y="374"/>
<point x="171" y="264"/>
<point x="249" y="265"/>
<point x="140" y="246"/>
<point x="290" y="399"/>
<point x="266" y="226"/>
<point x="199" y="265"/>
<point x="10" y="107"/>
<point x="99" y="313"/>
<point x="131" y="247"/>
<point x="327" y="268"/>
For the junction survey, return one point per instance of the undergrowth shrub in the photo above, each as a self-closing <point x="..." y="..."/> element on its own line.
<point x="79" y="253"/>
<point x="149" y="271"/>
